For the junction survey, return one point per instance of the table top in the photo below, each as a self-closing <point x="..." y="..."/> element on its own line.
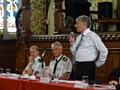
<point x="10" y="83"/>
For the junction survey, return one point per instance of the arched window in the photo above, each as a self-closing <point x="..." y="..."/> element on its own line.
<point x="8" y="11"/>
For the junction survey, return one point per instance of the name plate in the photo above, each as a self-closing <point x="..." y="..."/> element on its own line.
<point x="81" y="85"/>
<point x="44" y="79"/>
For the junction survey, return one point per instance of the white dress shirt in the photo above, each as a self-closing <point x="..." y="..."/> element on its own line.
<point x="89" y="48"/>
<point x="34" y="66"/>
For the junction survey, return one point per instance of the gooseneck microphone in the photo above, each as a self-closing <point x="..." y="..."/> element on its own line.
<point x="45" y="48"/>
<point x="40" y="60"/>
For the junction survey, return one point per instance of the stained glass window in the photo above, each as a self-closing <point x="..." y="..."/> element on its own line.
<point x="8" y="11"/>
<point x="12" y="7"/>
<point x="1" y="14"/>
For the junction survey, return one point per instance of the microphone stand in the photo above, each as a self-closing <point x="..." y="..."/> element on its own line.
<point x="35" y="69"/>
<point x="40" y="60"/>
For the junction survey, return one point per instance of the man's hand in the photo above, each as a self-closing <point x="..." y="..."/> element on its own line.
<point x="65" y="76"/>
<point x="72" y="39"/>
<point x="30" y="59"/>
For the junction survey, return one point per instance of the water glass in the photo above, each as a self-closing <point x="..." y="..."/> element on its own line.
<point x="85" y="79"/>
<point x="1" y="71"/>
<point x="7" y="72"/>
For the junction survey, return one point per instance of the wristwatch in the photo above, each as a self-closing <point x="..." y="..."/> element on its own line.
<point x="30" y="63"/>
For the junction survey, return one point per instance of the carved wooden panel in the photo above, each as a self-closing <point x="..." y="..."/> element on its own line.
<point x="113" y="60"/>
<point x="7" y="54"/>
<point x="20" y="58"/>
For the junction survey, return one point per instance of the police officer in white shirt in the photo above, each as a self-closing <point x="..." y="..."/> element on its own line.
<point x="60" y="64"/>
<point x="87" y="51"/>
<point x="34" y="62"/>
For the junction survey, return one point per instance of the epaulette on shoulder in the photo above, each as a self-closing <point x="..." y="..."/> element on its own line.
<point x="65" y="59"/>
<point x="52" y="60"/>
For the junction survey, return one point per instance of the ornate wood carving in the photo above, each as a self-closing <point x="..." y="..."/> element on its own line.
<point x="106" y="36"/>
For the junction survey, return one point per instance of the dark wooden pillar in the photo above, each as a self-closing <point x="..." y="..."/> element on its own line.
<point x="25" y="32"/>
<point x="25" y="19"/>
<point x="58" y="15"/>
<point x="118" y="9"/>
<point x="118" y="14"/>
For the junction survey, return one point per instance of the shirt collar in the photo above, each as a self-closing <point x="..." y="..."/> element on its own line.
<point x="86" y="31"/>
<point x="59" y="57"/>
<point x="38" y="57"/>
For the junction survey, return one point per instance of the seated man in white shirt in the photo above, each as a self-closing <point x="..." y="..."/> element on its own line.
<point x="35" y="62"/>
<point x="60" y="64"/>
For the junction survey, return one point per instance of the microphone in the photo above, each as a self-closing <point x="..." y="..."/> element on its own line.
<point x="45" y="48"/>
<point x="41" y="60"/>
<point x="72" y="34"/>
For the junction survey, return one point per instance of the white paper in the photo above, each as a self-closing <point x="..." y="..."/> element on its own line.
<point x="81" y="85"/>
<point x="68" y="81"/>
<point x="104" y="86"/>
<point x="44" y="79"/>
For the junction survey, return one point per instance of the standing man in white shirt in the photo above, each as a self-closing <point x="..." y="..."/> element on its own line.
<point x="85" y="54"/>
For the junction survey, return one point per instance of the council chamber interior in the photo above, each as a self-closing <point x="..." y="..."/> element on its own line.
<point x="52" y="20"/>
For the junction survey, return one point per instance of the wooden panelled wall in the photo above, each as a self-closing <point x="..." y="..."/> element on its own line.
<point x="112" y="41"/>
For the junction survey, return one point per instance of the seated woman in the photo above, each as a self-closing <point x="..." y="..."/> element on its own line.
<point x="35" y="62"/>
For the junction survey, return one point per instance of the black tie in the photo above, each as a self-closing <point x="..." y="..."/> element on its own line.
<point x="55" y="66"/>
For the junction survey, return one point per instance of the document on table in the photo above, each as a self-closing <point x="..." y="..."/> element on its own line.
<point x="99" y="86"/>
<point x="68" y="81"/>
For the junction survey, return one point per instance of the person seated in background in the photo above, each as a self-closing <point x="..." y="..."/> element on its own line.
<point x="116" y="83"/>
<point x="60" y="64"/>
<point x="113" y="82"/>
<point x="114" y="78"/>
<point x="34" y="59"/>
